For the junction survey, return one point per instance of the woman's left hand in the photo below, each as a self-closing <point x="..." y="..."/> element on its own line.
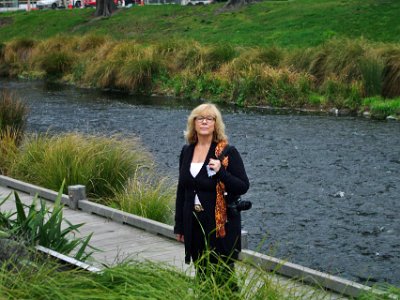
<point x="215" y="164"/>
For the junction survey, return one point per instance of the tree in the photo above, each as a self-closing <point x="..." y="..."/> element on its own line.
<point x="104" y="8"/>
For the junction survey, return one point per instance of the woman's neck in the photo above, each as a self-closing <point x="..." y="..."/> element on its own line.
<point x="204" y="140"/>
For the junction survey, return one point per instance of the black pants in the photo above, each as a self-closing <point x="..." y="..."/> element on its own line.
<point x="207" y="259"/>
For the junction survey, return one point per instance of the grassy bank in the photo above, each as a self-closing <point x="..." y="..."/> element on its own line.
<point x="294" y="54"/>
<point x="300" y="23"/>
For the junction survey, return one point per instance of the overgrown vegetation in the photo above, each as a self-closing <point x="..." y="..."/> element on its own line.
<point x="296" y="54"/>
<point x="339" y="73"/>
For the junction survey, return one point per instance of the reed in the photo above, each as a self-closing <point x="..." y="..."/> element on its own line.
<point x="102" y="164"/>
<point x="17" y="55"/>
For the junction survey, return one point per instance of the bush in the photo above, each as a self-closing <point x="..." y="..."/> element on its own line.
<point x="102" y="164"/>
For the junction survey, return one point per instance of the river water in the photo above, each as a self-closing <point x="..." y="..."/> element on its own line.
<point x="325" y="189"/>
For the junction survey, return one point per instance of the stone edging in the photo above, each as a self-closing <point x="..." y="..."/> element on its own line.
<point x="278" y="266"/>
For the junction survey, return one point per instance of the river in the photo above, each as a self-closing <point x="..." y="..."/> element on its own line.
<point x="325" y="189"/>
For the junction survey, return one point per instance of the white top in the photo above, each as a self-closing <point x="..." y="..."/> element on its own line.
<point x="194" y="170"/>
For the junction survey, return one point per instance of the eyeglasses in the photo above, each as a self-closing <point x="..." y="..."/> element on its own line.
<point x="208" y="119"/>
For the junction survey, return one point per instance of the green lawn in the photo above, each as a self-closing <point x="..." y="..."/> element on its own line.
<point x="298" y="23"/>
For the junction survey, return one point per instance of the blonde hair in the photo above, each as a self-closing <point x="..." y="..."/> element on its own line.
<point x="206" y="109"/>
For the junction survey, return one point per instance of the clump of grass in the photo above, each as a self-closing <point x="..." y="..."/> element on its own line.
<point x="102" y="164"/>
<point x="371" y="67"/>
<point x="215" y="56"/>
<point x="13" y="115"/>
<point x="17" y="54"/>
<point x="56" y="56"/>
<point x="8" y="150"/>
<point x="391" y="76"/>
<point x="147" y="195"/>
<point x="126" y="66"/>
<point x="55" y="64"/>
<point x="340" y="58"/>
<point x="91" y="42"/>
<point x="381" y="108"/>
<point x="263" y="85"/>
<point x="341" y="95"/>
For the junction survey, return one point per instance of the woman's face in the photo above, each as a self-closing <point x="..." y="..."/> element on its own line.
<point x="204" y="124"/>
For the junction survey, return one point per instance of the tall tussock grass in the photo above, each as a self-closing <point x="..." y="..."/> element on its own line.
<point x="147" y="195"/>
<point x="340" y="71"/>
<point x="17" y="55"/>
<point x="102" y="164"/>
<point x="391" y="75"/>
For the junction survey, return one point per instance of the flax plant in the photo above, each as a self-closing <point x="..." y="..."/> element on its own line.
<point x="42" y="226"/>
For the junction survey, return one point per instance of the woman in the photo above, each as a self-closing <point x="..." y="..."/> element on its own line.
<point x="206" y="187"/>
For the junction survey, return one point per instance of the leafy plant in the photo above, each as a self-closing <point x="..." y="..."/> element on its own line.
<point x="40" y="226"/>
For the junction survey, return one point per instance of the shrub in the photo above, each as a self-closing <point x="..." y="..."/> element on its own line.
<point x="102" y="164"/>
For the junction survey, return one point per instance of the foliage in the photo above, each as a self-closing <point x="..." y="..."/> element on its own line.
<point x="102" y="164"/>
<point x="13" y="114"/>
<point x="148" y="196"/>
<point x="380" y="108"/>
<point x="40" y="226"/>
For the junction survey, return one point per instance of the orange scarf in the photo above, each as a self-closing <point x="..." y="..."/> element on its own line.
<point x="220" y="205"/>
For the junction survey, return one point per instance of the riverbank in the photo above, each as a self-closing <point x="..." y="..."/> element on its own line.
<point x="352" y="70"/>
<point x="300" y="166"/>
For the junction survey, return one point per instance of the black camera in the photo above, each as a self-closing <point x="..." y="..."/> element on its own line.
<point x="237" y="206"/>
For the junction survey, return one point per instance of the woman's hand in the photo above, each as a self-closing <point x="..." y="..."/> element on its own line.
<point x="215" y="164"/>
<point x="180" y="238"/>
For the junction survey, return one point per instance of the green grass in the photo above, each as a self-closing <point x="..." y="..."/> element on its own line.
<point x="147" y="195"/>
<point x="380" y="108"/>
<point x="104" y="165"/>
<point x="300" y="23"/>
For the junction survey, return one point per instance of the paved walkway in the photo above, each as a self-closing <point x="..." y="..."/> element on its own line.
<point x="118" y="242"/>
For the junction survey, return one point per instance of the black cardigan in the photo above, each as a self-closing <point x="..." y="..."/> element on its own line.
<point x="236" y="183"/>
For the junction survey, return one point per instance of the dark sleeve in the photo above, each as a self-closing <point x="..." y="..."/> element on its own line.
<point x="180" y="199"/>
<point x="234" y="176"/>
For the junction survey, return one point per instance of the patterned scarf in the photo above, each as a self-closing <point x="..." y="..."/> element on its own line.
<point x="220" y="206"/>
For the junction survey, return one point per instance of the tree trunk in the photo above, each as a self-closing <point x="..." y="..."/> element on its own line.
<point x="104" y="8"/>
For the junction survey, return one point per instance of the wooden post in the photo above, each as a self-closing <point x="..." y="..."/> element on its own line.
<point x="76" y="193"/>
